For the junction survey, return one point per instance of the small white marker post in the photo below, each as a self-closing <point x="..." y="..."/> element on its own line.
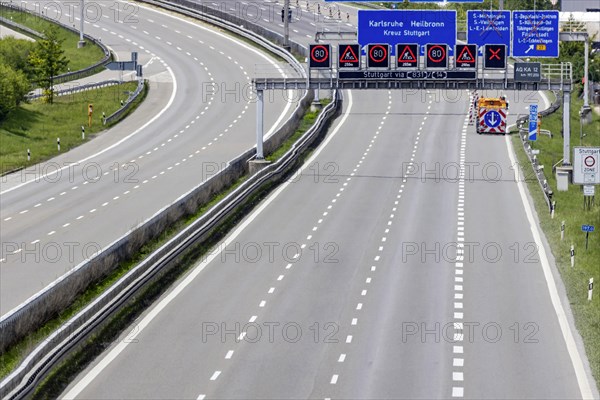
<point x="562" y="230"/>
<point x="28" y="155"/>
<point x="82" y="132"/>
<point x="590" y="288"/>
<point x="553" y="208"/>
<point x="58" y="143"/>
<point x="572" y="255"/>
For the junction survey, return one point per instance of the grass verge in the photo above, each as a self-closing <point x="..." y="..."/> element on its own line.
<point x="569" y="208"/>
<point x="79" y="58"/>
<point x="37" y="125"/>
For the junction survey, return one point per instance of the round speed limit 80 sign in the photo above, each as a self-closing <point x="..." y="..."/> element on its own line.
<point x="320" y="56"/>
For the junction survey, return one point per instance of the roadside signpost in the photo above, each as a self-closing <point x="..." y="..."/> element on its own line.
<point x="586" y="165"/>
<point x="400" y="26"/>
<point x="535" y="34"/>
<point x="488" y="27"/>
<point x="533" y="120"/>
<point x="587" y="229"/>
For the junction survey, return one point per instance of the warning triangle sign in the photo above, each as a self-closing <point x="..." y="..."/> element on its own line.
<point x="465" y="55"/>
<point x="348" y="55"/>
<point x="407" y="55"/>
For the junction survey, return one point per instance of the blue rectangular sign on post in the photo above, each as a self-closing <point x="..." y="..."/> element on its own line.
<point x="407" y="26"/>
<point x="535" y="34"/>
<point x="533" y="117"/>
<point x="587" y="228"/>
<point x="488" y="27"/>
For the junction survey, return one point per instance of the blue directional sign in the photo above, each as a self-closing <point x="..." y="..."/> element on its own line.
<point x="492" y="118"/>
<point x="587" y="228"/>
<point x="407" y="26"/>
<point x="533" y="119"/>
<point x="488" y="27"/>
<point x="535" y="34"/>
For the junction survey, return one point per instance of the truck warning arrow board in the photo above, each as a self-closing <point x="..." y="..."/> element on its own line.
<point x="378" y="55"/>
<point x="407" y="55"/>
<point x="320" y="56"/>
<point x="349" y="56"/>
<point x="466" y="55"/>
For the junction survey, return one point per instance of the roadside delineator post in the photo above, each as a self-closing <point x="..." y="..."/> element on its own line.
<point x="590" y="288"/>
<point x="562" y="230"/>
<point x="572" y="255"/>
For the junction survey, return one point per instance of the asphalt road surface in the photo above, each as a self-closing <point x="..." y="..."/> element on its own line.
<point x="199" y="114"/>
<point x="380" y="271"/>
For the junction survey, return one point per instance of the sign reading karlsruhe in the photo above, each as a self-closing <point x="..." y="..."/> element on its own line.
<point x="407" y="26"/>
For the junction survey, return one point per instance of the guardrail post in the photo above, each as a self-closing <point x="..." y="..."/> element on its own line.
<point x="259" y="124"/>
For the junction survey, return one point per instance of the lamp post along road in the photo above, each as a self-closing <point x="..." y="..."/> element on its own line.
<point x="81" y="42"/>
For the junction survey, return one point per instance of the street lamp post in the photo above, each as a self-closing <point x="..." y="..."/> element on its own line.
<point x="81" y="42"/>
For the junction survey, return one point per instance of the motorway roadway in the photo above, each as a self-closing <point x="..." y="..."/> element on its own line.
<point x="185" y="132"/>
<point x="350" y="297"/>
<point x="369" y="288"/>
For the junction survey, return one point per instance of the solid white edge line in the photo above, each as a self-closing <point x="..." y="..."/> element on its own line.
<point x="114" y="353"/>
<point x="580" y="373"/>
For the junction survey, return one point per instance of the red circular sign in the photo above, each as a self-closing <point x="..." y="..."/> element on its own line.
<point x="436" y="53"/>
<point x="319" y="53"/>
<point x="589" y="161"/>
<point x="378" y="53"/>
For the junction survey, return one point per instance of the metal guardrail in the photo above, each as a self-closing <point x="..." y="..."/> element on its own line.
<point x="242" y="27"/>
<point x="19" y="384"/>
<point x="19" y="27"/>
<point x="541" y="178"/>
<point x="78" y="88"/>
<point x="119" y="113"/>
<point x="43" y="357"/>
<point x="82" y="73"/>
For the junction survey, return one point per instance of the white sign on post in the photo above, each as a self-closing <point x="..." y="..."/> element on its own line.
<point x="589" y="190"/>
<point x="586" y="165"/>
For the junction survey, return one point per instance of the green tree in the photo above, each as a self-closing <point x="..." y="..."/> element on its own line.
<point x="13" y="87"/>
<point x="48" y="60"/>
<point x="15" y="53"/>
